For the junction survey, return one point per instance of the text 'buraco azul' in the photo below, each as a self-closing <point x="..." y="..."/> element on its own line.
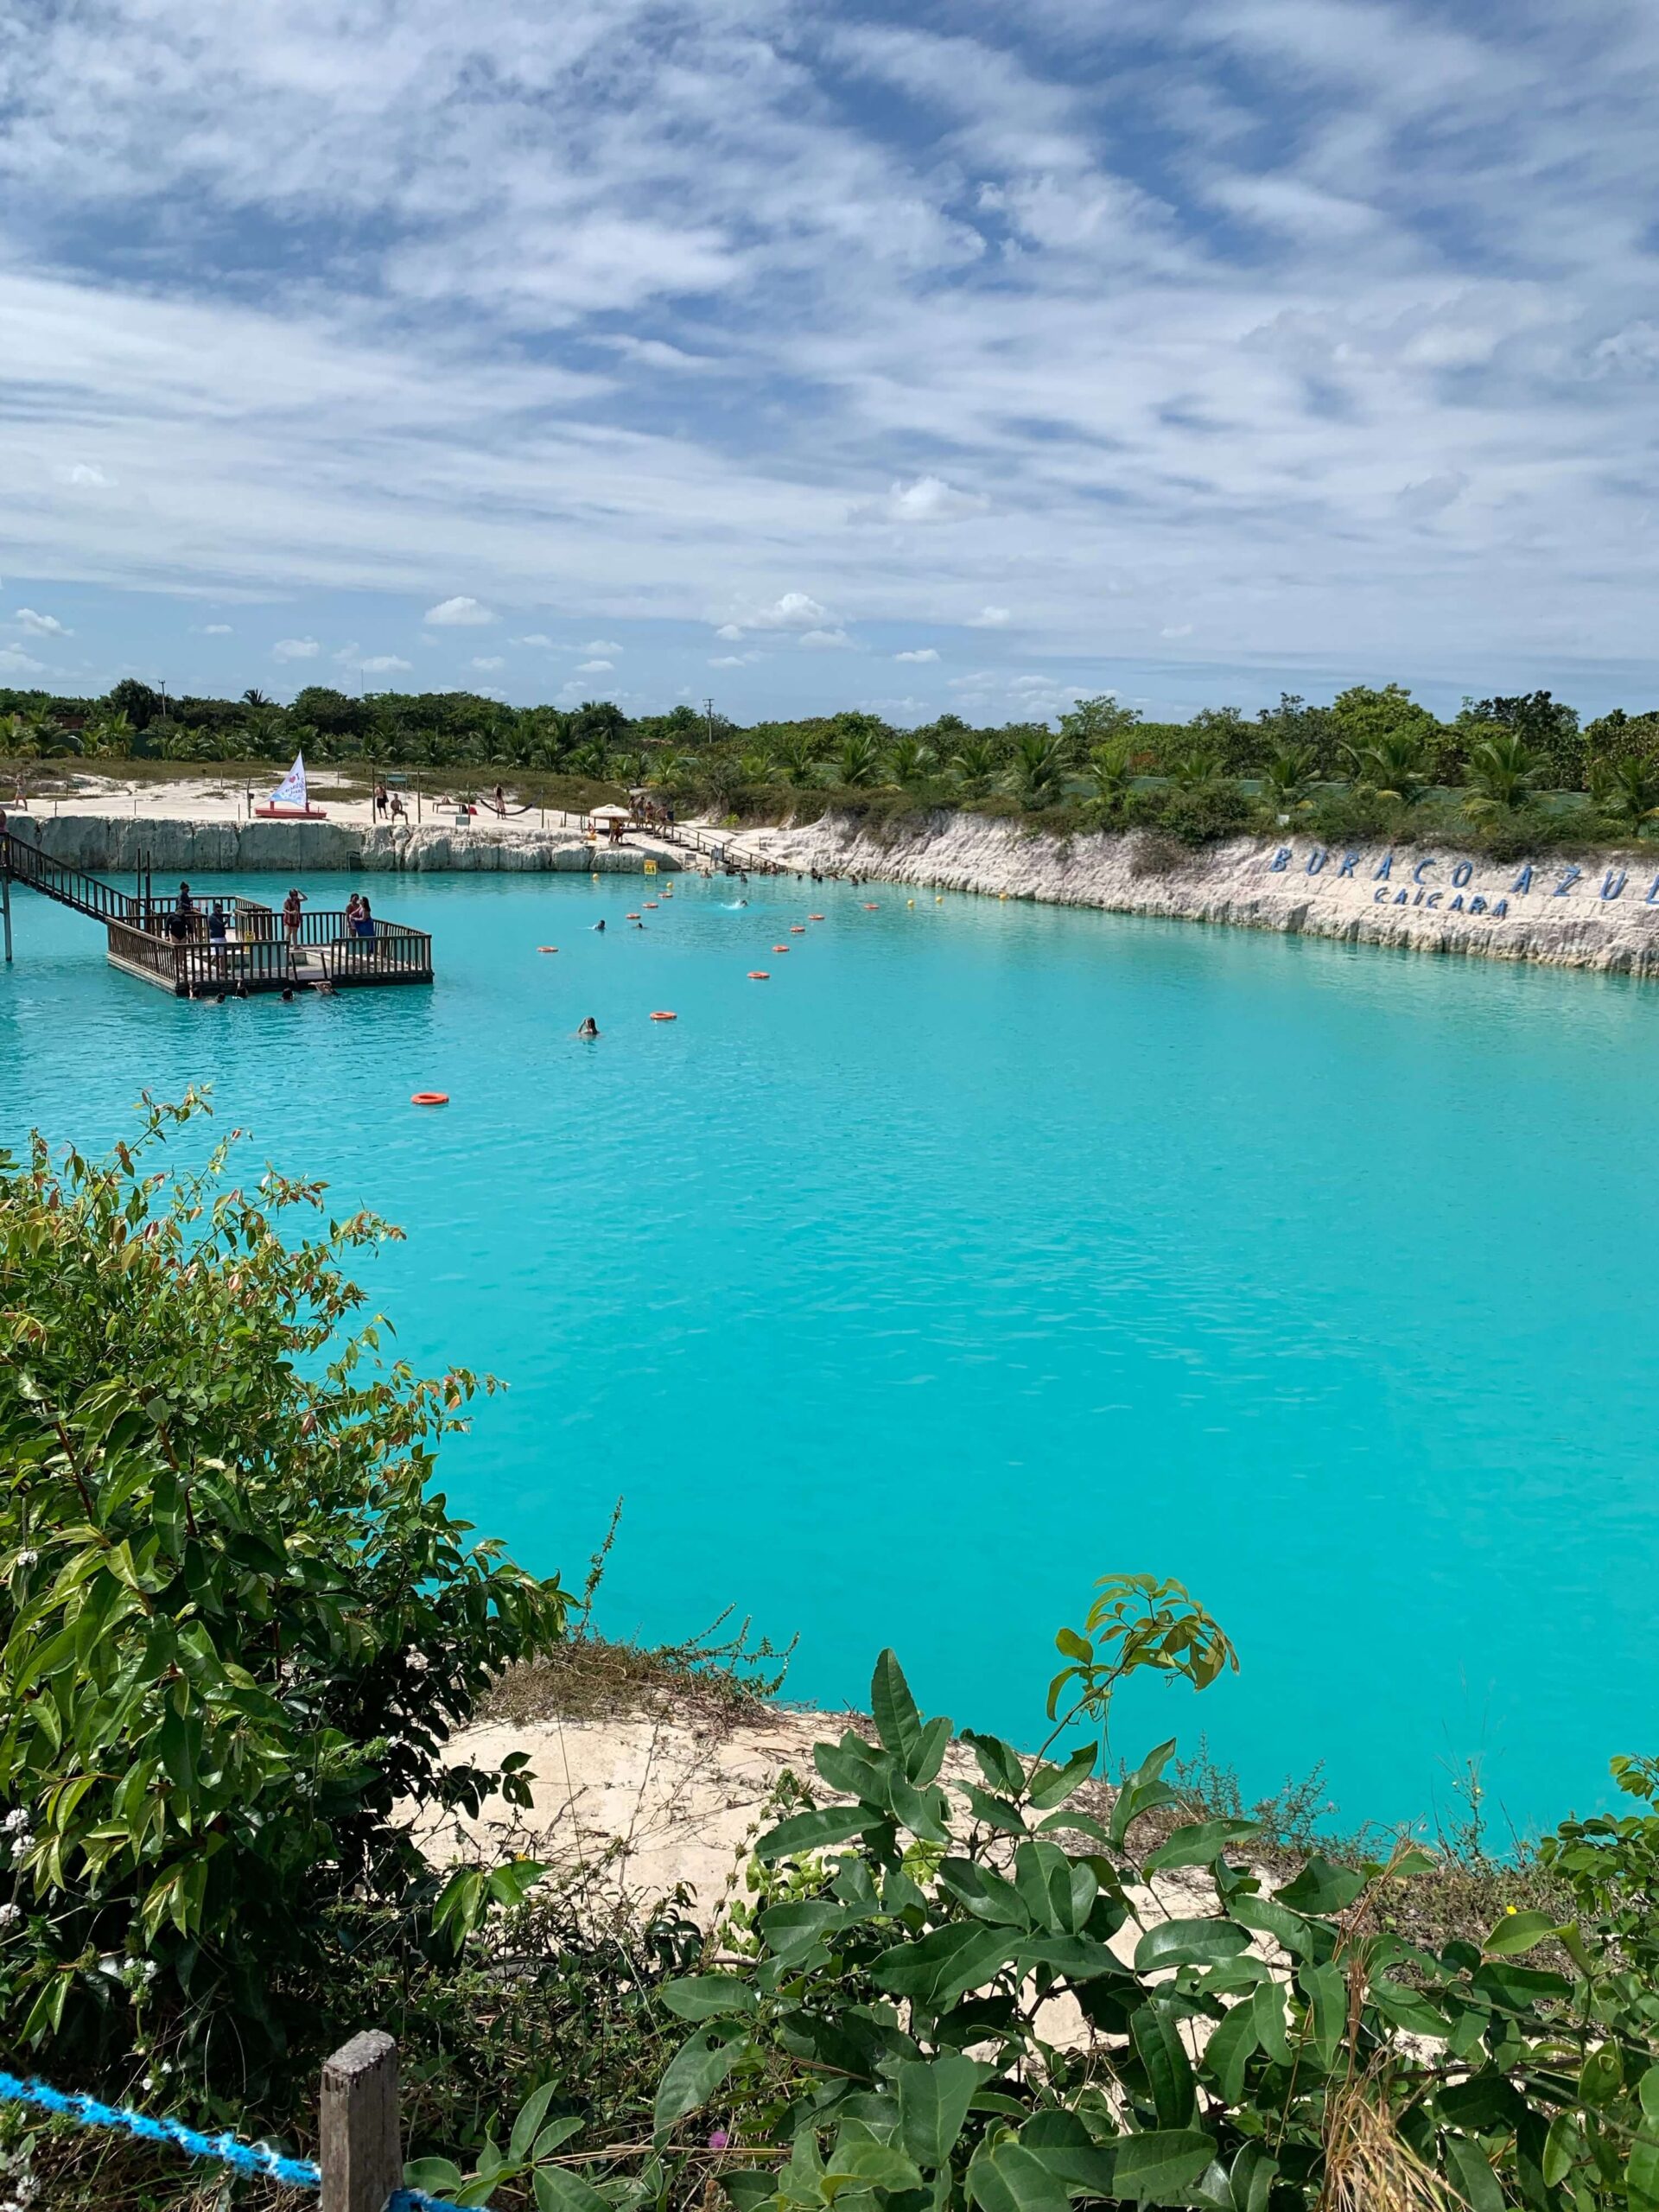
<point x="1404" y="880"/>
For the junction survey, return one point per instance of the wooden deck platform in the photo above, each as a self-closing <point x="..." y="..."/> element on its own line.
<point x="253" y="955"/>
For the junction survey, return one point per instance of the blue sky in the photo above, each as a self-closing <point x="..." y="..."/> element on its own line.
<point x="966" y="356"/>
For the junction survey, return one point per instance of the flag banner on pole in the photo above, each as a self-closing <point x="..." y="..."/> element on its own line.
<point x="291" y="791"/>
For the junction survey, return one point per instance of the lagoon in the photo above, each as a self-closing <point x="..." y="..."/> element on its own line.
<point x="988" y="1247"/>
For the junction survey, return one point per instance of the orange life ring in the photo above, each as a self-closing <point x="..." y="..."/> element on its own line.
<point x="650" y="903"/>
<point x="872" y="905"/>
<point x="430" y="1098"/>
<point x="780" y="948"/>
<point x="759" y="975"/>
<point x="665" y="1017"/>
<point x="630" y="918"/>
<point x="547" y="948"/>
<point x="797" y="929"/>
<point x="815" y="917"/>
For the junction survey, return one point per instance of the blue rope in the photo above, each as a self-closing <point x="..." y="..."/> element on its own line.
<point x="228" y="2149"/>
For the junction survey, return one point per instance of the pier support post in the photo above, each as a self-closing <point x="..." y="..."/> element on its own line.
<point x="6" y="911"/>
<point x="360" y="2155"/>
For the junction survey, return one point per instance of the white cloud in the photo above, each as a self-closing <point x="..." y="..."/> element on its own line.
<point x="295" y="649"/>
<point x="383" y="665"/>
<point x="644" y="375"/>
<point x="1176" y="630"/>
<point x="794" y="611"/>
<point x="929" y="499"/>
<point x="919" y="652"/>
<point x="536" y="638"/>
<point x="488" y="663"/>
<point x="40" y="625"/>
<point x="458" y="613"/>
<point x="599" y="645"/>
<point x="823" y="639"/>
<point x="731" y="660"/>
<point x="16" y="662"/>
<point x="595" y="667"/>
<point x="216" y="630"/>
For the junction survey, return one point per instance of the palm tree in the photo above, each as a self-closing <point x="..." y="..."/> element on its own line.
<point x="796" y="758"/>
<point x="973" y="764"/>
<point x="1036" y="772"/>
<point x="1287" y="776"/>
<point x="253" y="696"/>
<point x="1500" y="773"/>
<point x="110" y="737"/>
<point x="909" y="762"/>
<point x="1394" y="765"/>
<point x="754" y="767"/>
<point x="1627" y="789"/>
<point x="592" y="759"/>
<point x="1109" y="773"/>
<point x="1193" y="766"/>
<point x="856" y="761"/>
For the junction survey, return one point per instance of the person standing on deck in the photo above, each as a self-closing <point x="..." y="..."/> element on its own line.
<point x="291" y="907"/>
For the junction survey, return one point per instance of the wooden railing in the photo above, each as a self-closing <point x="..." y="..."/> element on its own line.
<point x="258" y="958"/>
<point x="70" y="887"/>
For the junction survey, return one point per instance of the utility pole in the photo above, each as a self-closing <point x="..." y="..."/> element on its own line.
<point x="709" y="709"/>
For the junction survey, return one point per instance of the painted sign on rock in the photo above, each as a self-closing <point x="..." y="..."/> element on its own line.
<point x="1425" y="879"/>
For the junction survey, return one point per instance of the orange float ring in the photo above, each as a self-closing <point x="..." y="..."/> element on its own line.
<point x="872" y="905"/>
<point x="665" y="1017"/>
<point x="630" y="918"/>
<point x="430" y="1098"/>
<point x="780" y="948"/>
<point x="815" y="917"/>
<point x="797" y="929"/>
<point x="547" y="948"/>
<point x="650" y="903"/>
<point x="759" y="975"/>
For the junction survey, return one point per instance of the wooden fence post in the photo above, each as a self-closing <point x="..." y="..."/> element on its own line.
<point x="360" y="2155"/>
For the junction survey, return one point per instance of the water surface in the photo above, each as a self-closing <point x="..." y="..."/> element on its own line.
<point x="990" y="1247"/>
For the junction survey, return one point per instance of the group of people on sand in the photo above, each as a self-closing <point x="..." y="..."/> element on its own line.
<point x="388" y="805"/>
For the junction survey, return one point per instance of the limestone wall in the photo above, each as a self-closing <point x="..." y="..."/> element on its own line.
<point x="108" y="844"/>
<point x="1600" y="914"/>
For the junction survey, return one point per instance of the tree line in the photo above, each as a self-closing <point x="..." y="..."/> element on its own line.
<point x="1104" y="764"/>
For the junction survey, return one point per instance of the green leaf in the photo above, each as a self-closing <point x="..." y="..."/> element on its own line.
<point x="1321" y="1887"/>
<point x="1228" y="2051"/>
<point x="793" y="1931"/>
<point x="998" y="1763"/>
<point x="436" y="2177"/>
<point x="1601" y="2075"/>
<point x="528" y="2122"/>
<point x="1004" y="2177"/>
<point x="933" y="2099"/>
<point x="558" y="2190"/>
<point x="1266" y="1916"/>
<point x="1052" y="1785"/>
<point x="986" y="1895"/>
<point x="878" y="2163"/>
<point x="1476" y="2182"/>
<point x="1517" y="1932"/>
<point x="897" y="1720"/>
<point x="1562" y="2148"/>
<point x="1169" y="2071"/>
<point x="1268" y="2012"/>
<point x="937" y="1968"/>
<point x="1189" y="1942"/>
<point x="807" y="1832"/>
<point x="692" y="2076"/>
<point x="1326" y="1992"/>
<point x="1641" y="2173"/>
<point x="709" y="1996"/>
<point x="1198" y="1844"/>
<point x="1161" y="2165"/>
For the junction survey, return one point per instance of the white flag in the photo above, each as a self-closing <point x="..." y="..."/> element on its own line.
<point x="291" y="791"/>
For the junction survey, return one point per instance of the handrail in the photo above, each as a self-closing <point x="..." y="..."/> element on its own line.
<point x="71" y="886"/>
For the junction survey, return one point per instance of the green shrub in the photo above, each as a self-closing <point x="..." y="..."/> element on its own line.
<point x="235" y="1628"/>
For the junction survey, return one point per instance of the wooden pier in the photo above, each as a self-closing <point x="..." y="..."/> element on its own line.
<point x="254" y="954"/>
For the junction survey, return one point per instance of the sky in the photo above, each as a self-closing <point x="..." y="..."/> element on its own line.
<point x="967" y="356"/>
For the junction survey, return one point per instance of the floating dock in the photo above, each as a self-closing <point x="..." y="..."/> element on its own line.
<point x="254" y="954"/>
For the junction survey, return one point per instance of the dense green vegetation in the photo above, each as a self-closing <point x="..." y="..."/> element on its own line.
<point x="1503" y="773"/>
<point x="238" y="1625"/>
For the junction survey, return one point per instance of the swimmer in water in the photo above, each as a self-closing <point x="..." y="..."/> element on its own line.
<point x="600" y="923"/>
<point x="589" y="1028"/>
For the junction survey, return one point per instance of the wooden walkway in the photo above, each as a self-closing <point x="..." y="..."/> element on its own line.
<point x="253" y="955"/>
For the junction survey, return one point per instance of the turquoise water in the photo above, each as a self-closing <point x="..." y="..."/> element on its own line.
<point x="987" y="1249"/>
